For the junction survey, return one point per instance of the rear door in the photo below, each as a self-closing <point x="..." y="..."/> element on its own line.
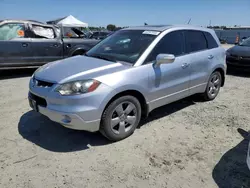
<point x="45" y="44"/>
<point x="198" y="56"/>
<point x="14" y="45"/>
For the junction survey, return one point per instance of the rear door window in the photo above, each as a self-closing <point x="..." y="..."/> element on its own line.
<point x="11" y="31"/>
<point x="211" y="43"/>
<point x="195" y="41"/>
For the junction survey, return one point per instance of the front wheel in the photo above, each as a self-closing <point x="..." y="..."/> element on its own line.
<point x="121" y="118"/>
<point x="213" y="86"/>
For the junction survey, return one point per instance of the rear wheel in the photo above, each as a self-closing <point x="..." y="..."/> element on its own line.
<point x="121" y="118"/>
<point x="213" y="86"/>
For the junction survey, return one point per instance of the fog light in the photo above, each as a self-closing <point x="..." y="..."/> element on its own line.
<point x="66" y="119"/>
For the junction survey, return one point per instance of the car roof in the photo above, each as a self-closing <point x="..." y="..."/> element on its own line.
<point x="25" y="21"/>
<point x="161" y="28"/>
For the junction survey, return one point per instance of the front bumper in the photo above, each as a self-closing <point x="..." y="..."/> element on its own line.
<point x="70" y="120"/>
<point x="81" y="112"/>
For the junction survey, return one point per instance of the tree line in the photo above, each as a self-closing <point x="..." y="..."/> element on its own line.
<point x="109" y="27"/>
<point x="112" y="27"/>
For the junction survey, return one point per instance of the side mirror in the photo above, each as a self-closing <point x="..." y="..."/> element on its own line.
<point x="164" y="59"/>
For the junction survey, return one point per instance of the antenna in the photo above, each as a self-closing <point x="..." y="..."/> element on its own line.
<point x="189" y="21"/>
<point x="210" y="23"/>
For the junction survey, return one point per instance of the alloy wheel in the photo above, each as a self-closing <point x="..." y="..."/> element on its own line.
<point x="214" y="85"/>
<point x="123" y="118"/>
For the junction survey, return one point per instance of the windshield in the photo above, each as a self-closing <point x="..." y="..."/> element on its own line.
<point x="246" y="42"/>
<point x="124" y="45"/>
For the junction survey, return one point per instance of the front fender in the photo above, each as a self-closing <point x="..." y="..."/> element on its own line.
<point x="121" y="89"/>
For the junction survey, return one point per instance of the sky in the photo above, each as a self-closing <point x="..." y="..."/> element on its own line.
<point x="131" y="12"/>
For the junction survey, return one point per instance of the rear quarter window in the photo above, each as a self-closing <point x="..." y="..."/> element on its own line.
<point x="211" y="43"/>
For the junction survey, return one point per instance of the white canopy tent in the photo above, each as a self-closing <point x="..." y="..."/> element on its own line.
<point x="68" y="21"/>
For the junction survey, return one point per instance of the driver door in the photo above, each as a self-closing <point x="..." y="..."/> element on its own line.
<point x="169" y="82"/>
<point x="14" y="45"/>
<point x="45" y="45"/>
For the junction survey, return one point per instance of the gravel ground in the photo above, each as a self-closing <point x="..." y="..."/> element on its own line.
<point x="187" y="144"/>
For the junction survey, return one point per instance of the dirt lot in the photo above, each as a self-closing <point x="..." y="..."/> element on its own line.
<point x="188" y="144"/>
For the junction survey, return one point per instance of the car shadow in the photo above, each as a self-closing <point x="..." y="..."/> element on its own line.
<point x="170" y="109"/>
<point x="238" y="72"/>
<point x="232" y="171"/>
<point x="51" y="136"/>
<point x="16" y="73"/>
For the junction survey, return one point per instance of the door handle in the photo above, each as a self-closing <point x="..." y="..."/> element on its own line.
<point x="210" y="57"/>
<point x="185" y="65"/>
<point x="24" y="44"/>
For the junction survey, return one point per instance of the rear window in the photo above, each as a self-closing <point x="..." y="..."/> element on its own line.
<point x="195" y="41"/>
<point x="211" y="43"/>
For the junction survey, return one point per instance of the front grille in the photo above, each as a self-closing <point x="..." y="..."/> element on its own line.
<point x="41" y="83"/>
<point x="39" y="100"/>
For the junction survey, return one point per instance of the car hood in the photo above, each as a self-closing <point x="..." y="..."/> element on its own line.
<point x="240" y="51"/>
<point x="77" y="68"/>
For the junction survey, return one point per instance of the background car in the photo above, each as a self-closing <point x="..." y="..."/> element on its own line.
<point x="239" y="55"/>
<point x="100" y="35"/>
<point x="31" y="44"/>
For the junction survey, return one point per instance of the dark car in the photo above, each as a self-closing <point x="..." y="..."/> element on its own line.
<point x="100" y="35"/>
<point x="239" y="55"/>
<point x="31" y="44"/>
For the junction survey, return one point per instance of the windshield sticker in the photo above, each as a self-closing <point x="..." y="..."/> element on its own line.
<point x="151" y="32"/>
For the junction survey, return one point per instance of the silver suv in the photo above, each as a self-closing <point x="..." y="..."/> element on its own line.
<point x="127" y="75"/>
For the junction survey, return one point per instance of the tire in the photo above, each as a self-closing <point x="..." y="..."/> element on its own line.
<point x="213" y="86"/>
<point x="120" y="118"/>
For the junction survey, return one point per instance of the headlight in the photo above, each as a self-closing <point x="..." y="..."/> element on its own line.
<point x="78" y="87"/>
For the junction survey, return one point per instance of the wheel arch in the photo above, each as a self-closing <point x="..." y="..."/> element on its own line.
<point x="82" y="49"/>
<point x="135" y="93"/>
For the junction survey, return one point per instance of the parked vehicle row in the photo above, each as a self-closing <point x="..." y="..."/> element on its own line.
<point x="31" y="44"/>
<point x="100" y="35"/>
<point x="126" y="76"/>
